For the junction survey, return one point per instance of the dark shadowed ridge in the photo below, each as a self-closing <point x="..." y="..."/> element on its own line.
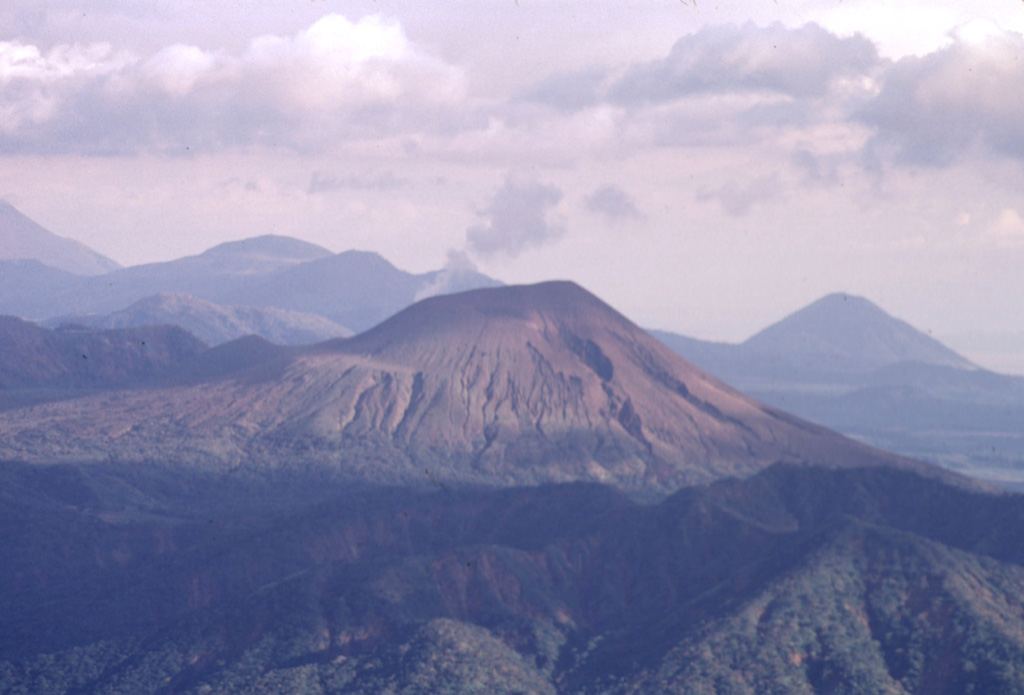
<point x="813" y="578"/>
<point x="76" y="357"/>
<point x="242" y="354"/>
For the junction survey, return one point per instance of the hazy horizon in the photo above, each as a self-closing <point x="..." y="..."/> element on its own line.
<point x="707" y="169"/>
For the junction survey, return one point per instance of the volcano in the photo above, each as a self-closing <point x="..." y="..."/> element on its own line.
<point x="499" y="386"/>
<point x="845" y="333"/>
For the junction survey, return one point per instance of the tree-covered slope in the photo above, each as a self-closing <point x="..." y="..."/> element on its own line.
<point x="798" y="580"/>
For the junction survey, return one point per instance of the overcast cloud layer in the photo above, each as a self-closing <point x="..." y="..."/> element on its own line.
<point x="705" y="170"/>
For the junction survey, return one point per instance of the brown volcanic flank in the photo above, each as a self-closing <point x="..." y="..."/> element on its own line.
<point x="512" y="385"/>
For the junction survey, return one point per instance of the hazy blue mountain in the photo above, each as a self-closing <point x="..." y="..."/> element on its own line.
<point x="210" y="275"/>
<point x="842" y="332"/>
<point x="256" y="255"/>
<point x="215" y="324"/>
<point x="30" y="289"/>
<point x="23" y="239"/>
<point x="353" y="289"/>
<point x="724" y="360"/>
<point x="357" y="289"/>
<point x="844" y="363"/>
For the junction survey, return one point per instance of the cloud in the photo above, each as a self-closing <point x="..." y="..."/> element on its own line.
<point x="799" y="63"/>
<point x="336" y="79"/>
<point x="33" y="84"/>
<point x="1008" y="229"/>
<point x="336" y="63"/>
<point x="457" y="264"/>
<point x="321" y="182"/>
<point x="737" y="199"/>
<point x="20" y="61"/>
<point x="518" y="218"/>
<point x="460" y="262"/>
<point x="612" y="202"/>
<point x="178" y="70"/>
<point x="961" y="100"/>
<point x="569" y="91"/>
<point x="725" y="85"/>
<point x="822" y="169"/>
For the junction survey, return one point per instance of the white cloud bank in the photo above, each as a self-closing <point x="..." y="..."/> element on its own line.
<point x="962" y="100"/>
<point x="335" y="79"/>
<point x="341" y="81"/>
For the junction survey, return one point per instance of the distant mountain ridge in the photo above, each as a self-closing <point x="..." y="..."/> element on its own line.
<point x="357" y="289"/>
<point x="353" y="289"/>
<point x="274" y="249"/>
<point x="210" y="275"/>
<point x="23" y="239"/>
<point x="215" y="324"/>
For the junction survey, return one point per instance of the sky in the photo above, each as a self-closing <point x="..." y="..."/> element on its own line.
<point x="705" y="167"/>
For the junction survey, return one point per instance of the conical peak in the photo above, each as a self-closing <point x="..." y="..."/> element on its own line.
<point x="561" y="303"/>
<point x="854" y="329"/>
<point x="844" y="299"/>
<point x="846" y="305"/>
<point x="558" y="296"/>
<point x="836" y="309"/>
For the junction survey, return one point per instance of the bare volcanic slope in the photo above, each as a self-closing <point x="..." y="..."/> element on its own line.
<point x="39" y="365"/>
<point x="511" y="385"/>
